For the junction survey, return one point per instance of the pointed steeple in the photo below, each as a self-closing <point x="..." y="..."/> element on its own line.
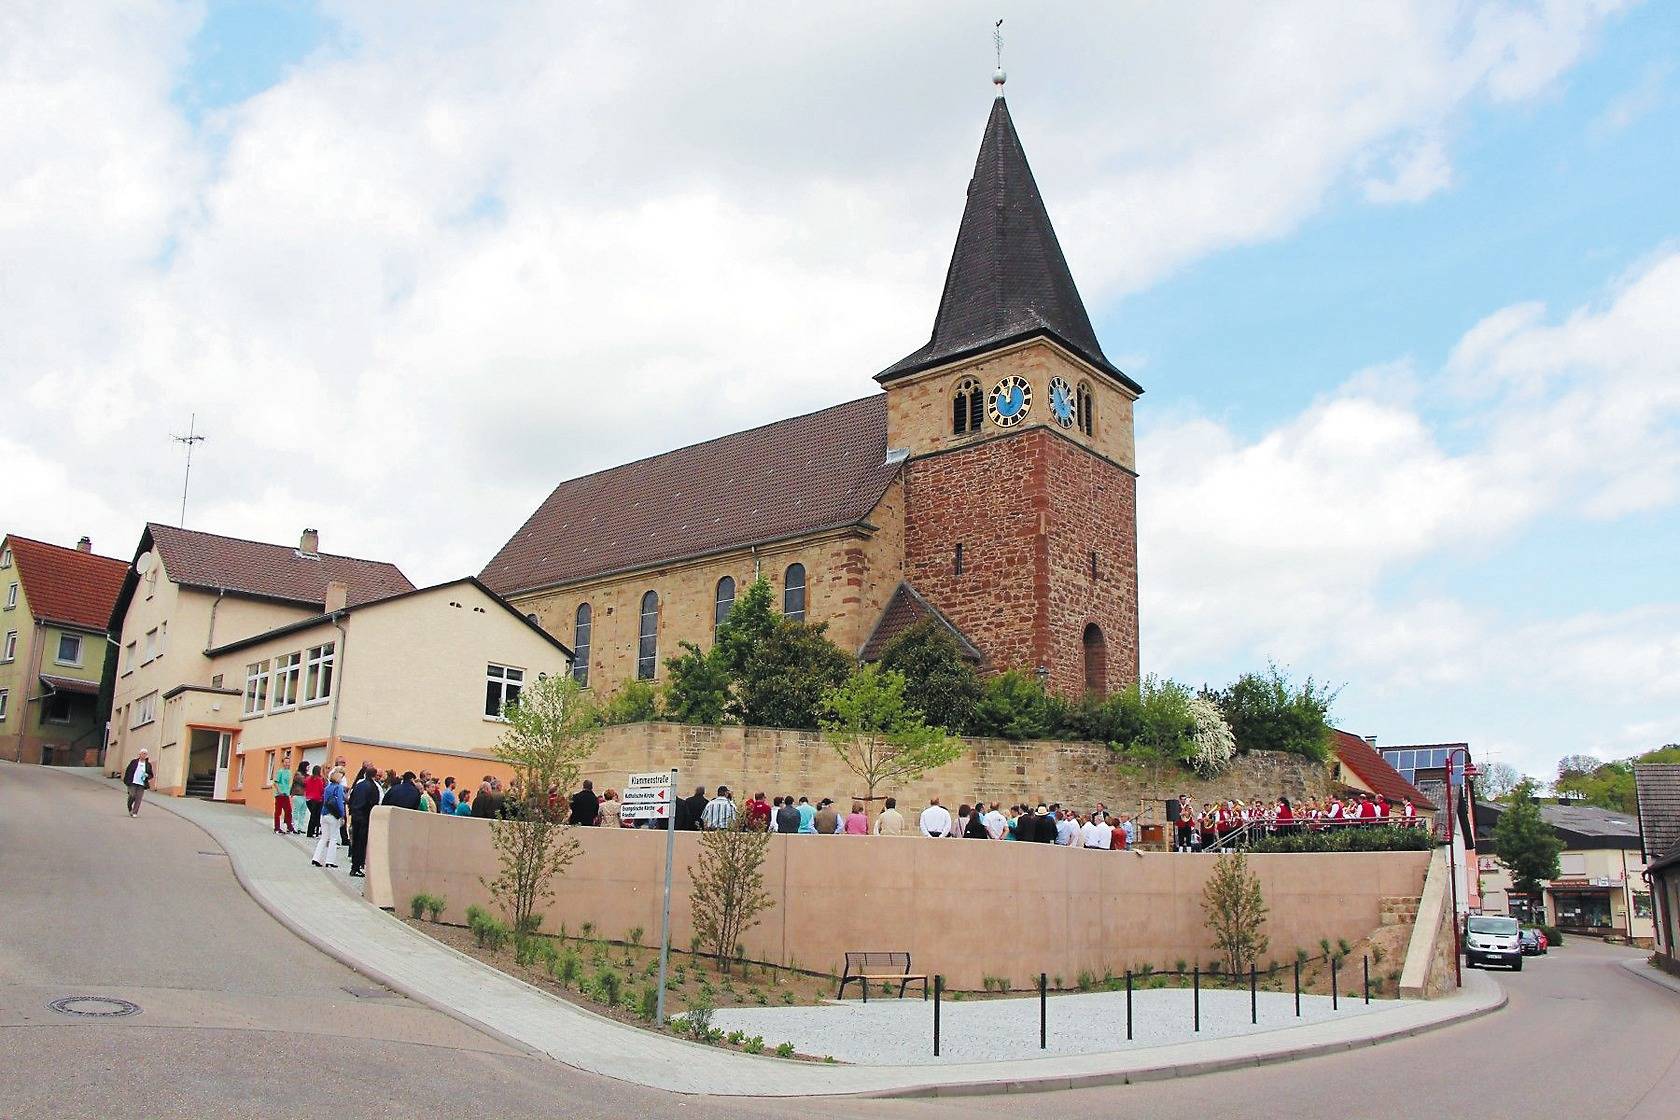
<point x="1008" y="280"/>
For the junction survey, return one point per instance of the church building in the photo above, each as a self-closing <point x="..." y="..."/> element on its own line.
<point x="990" y="484"/>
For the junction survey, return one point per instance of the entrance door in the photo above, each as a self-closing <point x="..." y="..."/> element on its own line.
<point x="224" y="752"/>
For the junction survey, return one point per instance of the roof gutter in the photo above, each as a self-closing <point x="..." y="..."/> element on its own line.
<point x="210" y="638"/>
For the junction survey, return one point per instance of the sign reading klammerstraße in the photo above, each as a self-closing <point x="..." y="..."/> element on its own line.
<point x="648" y="797"/>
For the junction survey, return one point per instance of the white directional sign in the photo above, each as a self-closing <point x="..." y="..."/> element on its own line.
<point x="648" y="797"/>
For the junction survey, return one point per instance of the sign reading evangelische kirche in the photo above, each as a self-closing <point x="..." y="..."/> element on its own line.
<point x="648" y="797"/>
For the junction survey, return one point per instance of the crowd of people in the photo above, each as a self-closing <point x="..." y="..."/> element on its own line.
<point x="1234" y="823"/>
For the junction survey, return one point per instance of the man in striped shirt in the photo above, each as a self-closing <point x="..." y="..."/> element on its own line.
<point x="719" y="811"/>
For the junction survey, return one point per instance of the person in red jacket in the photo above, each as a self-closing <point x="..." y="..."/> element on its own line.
<point x="314" y="788"/>
<point x="758" y="812"/>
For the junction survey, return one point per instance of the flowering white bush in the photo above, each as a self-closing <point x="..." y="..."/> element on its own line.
<point x="1212" y="744"/>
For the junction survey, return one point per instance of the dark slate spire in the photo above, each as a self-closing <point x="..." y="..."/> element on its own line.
<point x="1008" y="279"/>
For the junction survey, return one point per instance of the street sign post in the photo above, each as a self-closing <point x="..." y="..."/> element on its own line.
<point x="650" y="797"/>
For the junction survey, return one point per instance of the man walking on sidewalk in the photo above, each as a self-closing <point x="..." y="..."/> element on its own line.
<point x="283" y="794"/>
<point x="138" y="779"/>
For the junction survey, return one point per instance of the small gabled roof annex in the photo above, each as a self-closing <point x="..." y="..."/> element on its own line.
<point x="64" y="585"/>
<point x="906" y="608"/>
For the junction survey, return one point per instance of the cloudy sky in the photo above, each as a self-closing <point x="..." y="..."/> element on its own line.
<point x="1402" y="282"/>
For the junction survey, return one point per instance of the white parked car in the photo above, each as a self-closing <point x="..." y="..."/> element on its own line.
<point x="1489" y="939"/>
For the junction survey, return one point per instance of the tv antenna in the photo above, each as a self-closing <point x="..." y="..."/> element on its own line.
<point x="189" y="439"/>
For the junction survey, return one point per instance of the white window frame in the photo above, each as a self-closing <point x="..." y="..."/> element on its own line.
<point x="5" y="702"/>
<point x="11" y="595"/>
<point x="320" y="666"/>
<point x="143" y="711"/>
<point x="130" y="652"/>
<point x="151" y="646"/>
<point x="58" y="654"/>
<point x="256" y="689"/>
<point x="5" y="558"/>
<point x="268" y="777"/>
<point x="501" y="677"/>
<point x="283" y="689"/>
<point x="8" y="652"/>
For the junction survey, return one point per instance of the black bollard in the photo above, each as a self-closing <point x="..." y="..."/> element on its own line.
<point x="1367" y="966"/>
<point x="1128" y="1005"/>
<point x="1253" y="996"/>
<point x="938" y="989"/>
<point x="1334" y="1006"/>
<point x="1196" y="996"/>
<point x="1043" y="1012"/>
<point x="1297" y="987"/>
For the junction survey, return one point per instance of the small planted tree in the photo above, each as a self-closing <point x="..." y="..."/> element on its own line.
<point x="1235" y="911"/>
<point x="877" y="735"/>
<point x="552" y="729"/>
<point x="727" y="893"/>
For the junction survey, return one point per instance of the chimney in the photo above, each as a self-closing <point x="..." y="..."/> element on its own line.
<point x="310" y="543"/>
<point x="1371" y="740"/>
<point x="338" y="593"/>
<point x="85" y="545"/>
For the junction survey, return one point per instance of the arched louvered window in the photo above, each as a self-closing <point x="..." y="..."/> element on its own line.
<point x="580" y="644"/>
<point x="647" y="643"/>
<point x="725" y="601"/>
<point x="793" y="592"/>
<point x="1086" y="408"/>
<point x="968" y="407"/>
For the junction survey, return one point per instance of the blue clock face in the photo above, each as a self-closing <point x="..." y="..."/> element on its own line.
<point x="1061" y="402"/>
<point x="1009" y="401"/>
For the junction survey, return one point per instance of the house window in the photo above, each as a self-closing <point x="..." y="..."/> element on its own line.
<point x="502" y="686"/>
<point x="144" y="711"/>
<point x="725" y="601"/>
<point x="581" y="627"/>
<point x="5" y="702"/>
<point x="288" y="667"/>
<point x="11" y="596"/>
<point x="1085" y="408"/>
<point x="793" y="592"/>
<point x="55" y="708"/>
<point x="128" y="658"/>
<point x="151" y="645"/>
<point x="647" y="641"/>
<point x="9" y="651"/>
<point x="256" y="688"/>
<point x="967" y="407"/>
<point x="268" y="769"/>
<point x="318" y="672"/>
<point x="69" y="649"/>
<point x="6" y="558"/>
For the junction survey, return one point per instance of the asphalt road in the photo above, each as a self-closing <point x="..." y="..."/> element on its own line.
<point x="241" y="1018"/>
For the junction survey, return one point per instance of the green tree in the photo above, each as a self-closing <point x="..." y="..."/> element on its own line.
<point x="552" y="729"/>
<point x="1169" y="724"/>
<point x="1268" y="712"/>
<point x="727" y="894"/>
<point x="749" y="623"/>
<point x="1013" y="705"/>
<point x="783" y="678"/>
<point x="1496" y="779"/>
<point x="1525" y="842"/>
<point x="634" y="702"/>
<point x="940" y="681"/>
<point x="697" y="685"/>
<point x="878" y="735"/>
<point x="1235" y="912"/>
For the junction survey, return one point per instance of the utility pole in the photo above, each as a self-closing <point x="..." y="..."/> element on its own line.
<point x="189" y="439"/>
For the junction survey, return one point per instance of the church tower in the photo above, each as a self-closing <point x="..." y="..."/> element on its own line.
<point x="1020" y="482"/>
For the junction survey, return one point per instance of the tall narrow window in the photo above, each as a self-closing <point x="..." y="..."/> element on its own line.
<point x="287" y="668"/>
<point x="11" y="596"/>
<point x="5" y="698"/>
<point x="256" y="688"/>
<point x="968" y="405"/>
<point x="502" y="686"/>
<point x="1096" y="661"/>
<point x="318" y="673"/>
<point x="793" y="592"/>
<point x="1085" y="408"/>
<point x="647" y="641"/>
<point x="959" y="558"/>
<point x="725" y="601"/>
<point x="8" y="651"/>
<point x="580" y="644"/>
<point x="1093" y="564"/>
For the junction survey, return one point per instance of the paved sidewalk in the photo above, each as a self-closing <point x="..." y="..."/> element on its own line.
<point x="311" y="902"/>
<point x="1645" y="969"/>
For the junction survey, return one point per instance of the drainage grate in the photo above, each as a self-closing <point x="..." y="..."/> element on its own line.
<point x="94" y="1007"/>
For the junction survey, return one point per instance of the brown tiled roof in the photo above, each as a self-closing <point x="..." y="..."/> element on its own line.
<point x="269" y="571"/>
<point x="1008" y="279"/>
<point x="64" y="585"/>
<point x="821" y="471"/>
<point x="70" y="684"/>
<point x="904" y="610"/>
<point x="1373" y="770"/>
<point x="1658" y="788"/>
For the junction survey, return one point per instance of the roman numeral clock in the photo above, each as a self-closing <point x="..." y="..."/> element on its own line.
<point x="1009" y="401"/>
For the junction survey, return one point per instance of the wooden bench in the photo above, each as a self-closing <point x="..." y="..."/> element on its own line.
<point x="864" y="967"/>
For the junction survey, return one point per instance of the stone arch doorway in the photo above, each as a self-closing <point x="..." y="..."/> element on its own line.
<point x="1096" y="661"/>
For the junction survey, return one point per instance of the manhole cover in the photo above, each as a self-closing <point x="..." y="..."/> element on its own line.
<point x="94" y="1007"/>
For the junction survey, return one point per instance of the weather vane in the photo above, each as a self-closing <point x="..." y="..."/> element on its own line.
<point x="189" y="439"/>
<point x="998" y="76"/>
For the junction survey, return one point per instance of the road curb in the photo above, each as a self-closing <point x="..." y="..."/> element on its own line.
<point x="1650" y="975"/>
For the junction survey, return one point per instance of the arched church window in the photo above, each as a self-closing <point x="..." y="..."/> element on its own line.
<point x="968" y="406"/>
<point x="725" y="602"/>
<point x="1096" y="661"/>
<point x="793" y="592"/>
<point x="647" y="644"/>
<point x="580" y="644"/>
<point x="1086" y="409"/>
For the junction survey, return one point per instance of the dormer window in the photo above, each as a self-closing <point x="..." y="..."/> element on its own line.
<point x="968" y="407"/>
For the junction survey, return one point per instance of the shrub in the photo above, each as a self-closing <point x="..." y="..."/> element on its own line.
<point x="786" y="674"/>
<point x="1347" y="840"/>
<point x="1086" y="980"/>
<point x="735" y="1038"/>
<point x="1554" y="936"/>
<point x="565" y="967"/>
<point x="1377" y="954"/>
<point x="490" y="933"/>
<point x="435" y="906"/>
<point x="417" y="905"/>
<point x="647" y="1002"/>
<point x="697" y="685"/>
<point x="787" y="998"/>
<point x="636" y="936"/>
<point x="1013" y="705"/>
<point x="1342" y="947"/>
<point x="785" y="1050"/>
<point x="699" y="1017"/>
<point x="528" y="950"/>
<point x="938" y="679"/>
<point x="608" y="986"/>
<point x="1268" y="712"/>
<point x="476" y="914"/>
<point x="754" y="1045"/>
<point x="634" y="702"/>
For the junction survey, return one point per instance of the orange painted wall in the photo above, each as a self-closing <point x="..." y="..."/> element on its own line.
<point x="468" y="770"/>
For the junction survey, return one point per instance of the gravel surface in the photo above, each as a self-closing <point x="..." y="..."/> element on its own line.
<point x="892" y="1032"/>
